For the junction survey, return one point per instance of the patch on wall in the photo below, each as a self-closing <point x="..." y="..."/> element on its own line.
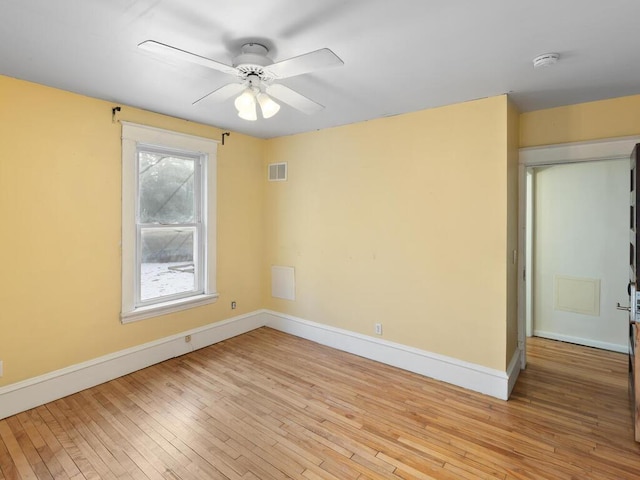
<point x="283" y="282"/>
<point x="577" y="295"/>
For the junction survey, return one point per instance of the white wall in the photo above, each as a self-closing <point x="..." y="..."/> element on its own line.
<point x="581" y="230"/>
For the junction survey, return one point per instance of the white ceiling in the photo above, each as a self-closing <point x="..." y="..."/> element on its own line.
<point x="400" y="55"/>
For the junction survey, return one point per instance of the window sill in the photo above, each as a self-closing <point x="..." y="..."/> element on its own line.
<point x="164" y="308"/>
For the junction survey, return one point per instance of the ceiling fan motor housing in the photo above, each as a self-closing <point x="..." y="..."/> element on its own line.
<point x="252" y="59"/>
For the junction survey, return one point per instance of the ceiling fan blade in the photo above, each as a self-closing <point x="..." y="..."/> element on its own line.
<point x="222" y="93"/>
<point x="309" y="62"/>
<point x="168" y="51"/>
<point x="294" y="99"/>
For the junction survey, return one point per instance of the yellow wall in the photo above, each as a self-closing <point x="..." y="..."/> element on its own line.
<point x="60" y="174"/>
<point x="406" y="221"/>
<point x="401" y="221"/>
<point x="617" y="117"/>
<point x="409" y="221"/>
<point x="513" y="131"/>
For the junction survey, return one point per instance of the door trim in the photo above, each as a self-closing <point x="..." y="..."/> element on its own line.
<point x="557" y="154"/>
<point x="603" y="149"/>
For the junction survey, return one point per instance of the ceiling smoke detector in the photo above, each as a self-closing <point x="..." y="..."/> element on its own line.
<point x="545" y="60"/>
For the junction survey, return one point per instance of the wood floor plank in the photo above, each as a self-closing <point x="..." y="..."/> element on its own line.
<point x="66" y="444"/>
<point x="161" y="451"/>
<point x="28" y="448"/>
<point x="242" y="409"/>
<point x="90" y="460"/>
<point x="48" y="457"/>
<point x="101" y="435"/>
<point x="17" y="461"/>
<point x="7" y="466"/>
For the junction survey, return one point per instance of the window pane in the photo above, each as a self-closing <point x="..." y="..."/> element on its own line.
<point x="167" y="262"/>
<point x="166" y="186"/>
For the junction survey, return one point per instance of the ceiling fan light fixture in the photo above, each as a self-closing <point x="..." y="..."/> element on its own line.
<point x="268" y="106"/>
<point x="248" y="113"/>
<point x="256" y="72"/>
<point x="245" y="100"/>
<point x="246" y="105"/>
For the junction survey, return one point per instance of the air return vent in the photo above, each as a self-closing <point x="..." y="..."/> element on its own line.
<point x="278" y="172"/>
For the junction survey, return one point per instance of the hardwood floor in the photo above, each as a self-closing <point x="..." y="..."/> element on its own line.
<point x="267" y="405"/>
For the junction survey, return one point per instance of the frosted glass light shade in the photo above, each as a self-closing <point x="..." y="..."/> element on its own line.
<point x="248" y="114"/>
<point x="245" y="100"/>
<point x="267" y="105"/>
<point x="246" y="105"/>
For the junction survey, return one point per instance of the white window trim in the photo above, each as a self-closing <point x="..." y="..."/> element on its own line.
<point x="132" y="135"/>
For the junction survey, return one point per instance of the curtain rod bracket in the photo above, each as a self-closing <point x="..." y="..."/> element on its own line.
<point x="113" y="113"/>
<point x="225" y="134"/>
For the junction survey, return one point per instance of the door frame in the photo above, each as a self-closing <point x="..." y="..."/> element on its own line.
<point x="546" y="155"/>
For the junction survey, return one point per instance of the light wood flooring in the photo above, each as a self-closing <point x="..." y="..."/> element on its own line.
<point x="266" y="405"/>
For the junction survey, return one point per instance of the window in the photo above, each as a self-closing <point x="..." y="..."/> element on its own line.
<point x="168" y="216"/>
<point x="168" y="225"/>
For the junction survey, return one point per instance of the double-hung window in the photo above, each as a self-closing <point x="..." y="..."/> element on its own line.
<point x="168" y="214"/>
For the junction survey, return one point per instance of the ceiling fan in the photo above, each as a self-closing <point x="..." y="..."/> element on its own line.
<point x="257" y="76"/>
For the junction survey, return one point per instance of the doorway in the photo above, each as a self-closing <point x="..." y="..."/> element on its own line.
<point x="578" y="213"/>
<point x="569" y="283"/>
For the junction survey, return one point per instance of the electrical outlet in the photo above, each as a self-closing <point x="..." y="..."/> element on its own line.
<point x="233" y="305"/>
<point x="378" y="329"/>
<point x="187" y="339"/>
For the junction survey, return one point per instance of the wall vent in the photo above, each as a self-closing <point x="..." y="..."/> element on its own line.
<point x="278" y="172"/>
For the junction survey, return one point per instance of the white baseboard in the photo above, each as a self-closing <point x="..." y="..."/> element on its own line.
<point x="21" y="396"/>
<point x="36" y="391"/>
<point x="447" y="369"/>
<point x="614" y="347"/>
